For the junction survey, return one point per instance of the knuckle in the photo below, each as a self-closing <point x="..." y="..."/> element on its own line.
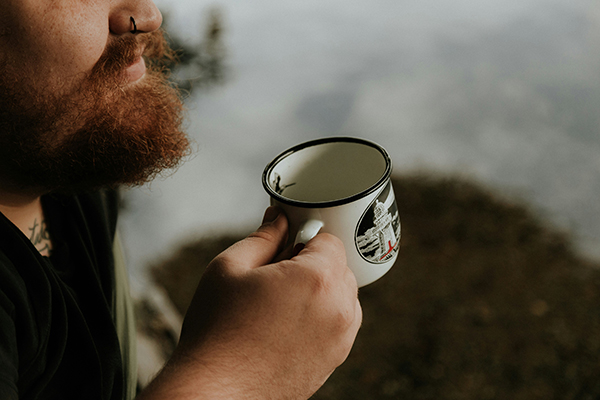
<point x="344" y="318"/>
<point x="339" y="307"/>
<point x="344" y="329"/>
<point x="318" y="281"/>
<point x="350" y="280"/>
<point x="328" y="246"/>
<point x="330" y="240"/>
<point x="334" y="245"/>
<point x="219" y="266"/>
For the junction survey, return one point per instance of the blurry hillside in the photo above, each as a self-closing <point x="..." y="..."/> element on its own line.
<point x="484" y="302"/>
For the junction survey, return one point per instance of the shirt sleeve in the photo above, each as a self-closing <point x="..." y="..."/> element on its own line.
<point x="9" y="359"/>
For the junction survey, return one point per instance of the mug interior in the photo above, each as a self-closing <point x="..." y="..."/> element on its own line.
<point x="328" y="172"/>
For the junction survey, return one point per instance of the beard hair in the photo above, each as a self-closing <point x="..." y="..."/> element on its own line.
<point x="102" y="134"/>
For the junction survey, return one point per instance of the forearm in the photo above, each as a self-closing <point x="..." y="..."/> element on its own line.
<point x="216" y="373"/>
<point x="184" y="378"/>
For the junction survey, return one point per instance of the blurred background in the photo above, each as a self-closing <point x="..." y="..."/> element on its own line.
<point x="505" y="94"/>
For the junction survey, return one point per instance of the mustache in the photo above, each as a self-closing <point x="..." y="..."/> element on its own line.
<point x="122" y="52"/>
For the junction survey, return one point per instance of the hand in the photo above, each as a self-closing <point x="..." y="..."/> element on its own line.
<point x="263" y="330"/>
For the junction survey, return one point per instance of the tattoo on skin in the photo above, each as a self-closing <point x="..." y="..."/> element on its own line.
<point x="40" y="237"/>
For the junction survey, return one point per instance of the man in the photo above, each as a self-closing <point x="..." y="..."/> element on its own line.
<point x="82" y="112"/>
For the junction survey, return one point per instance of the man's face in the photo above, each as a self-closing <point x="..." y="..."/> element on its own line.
<point x="78" y="108"/>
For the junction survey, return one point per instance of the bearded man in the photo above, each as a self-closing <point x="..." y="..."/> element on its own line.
<point x="84" y="109"/>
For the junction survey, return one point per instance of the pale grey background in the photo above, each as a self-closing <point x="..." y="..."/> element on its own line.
<point x="502" y="91"/>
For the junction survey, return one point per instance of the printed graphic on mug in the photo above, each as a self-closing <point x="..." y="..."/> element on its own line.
<point x="378" y="232"/>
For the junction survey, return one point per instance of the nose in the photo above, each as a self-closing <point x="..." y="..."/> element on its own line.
<point x="136" y="16"/>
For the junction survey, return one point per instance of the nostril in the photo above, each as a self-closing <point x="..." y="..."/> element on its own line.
<point x="135" y="17"/>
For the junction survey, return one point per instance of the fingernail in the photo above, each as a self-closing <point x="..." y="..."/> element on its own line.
<point x="271" y="214"/>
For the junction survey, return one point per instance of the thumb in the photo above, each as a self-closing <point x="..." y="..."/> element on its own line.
<point x="260" y="247"/>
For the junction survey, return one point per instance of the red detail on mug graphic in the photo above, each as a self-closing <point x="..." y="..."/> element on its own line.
<point x="390" y="249"/>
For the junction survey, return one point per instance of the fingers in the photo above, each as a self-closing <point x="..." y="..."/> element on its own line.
<point x="261" y="246"/>
<point x="285" y="254"/>
<point x="323" y="262"/>
<point x="324" y="253"/>
<point x="294" y="319"/>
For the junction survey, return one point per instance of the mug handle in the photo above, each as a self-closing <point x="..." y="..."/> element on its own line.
<point x="308" y="230"/>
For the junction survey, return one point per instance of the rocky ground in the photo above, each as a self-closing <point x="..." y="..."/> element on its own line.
<point x="485" y="302"/>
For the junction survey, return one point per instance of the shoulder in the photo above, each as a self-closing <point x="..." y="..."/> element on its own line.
<point x="20" y="263"/>
<point x="25" y="309"/>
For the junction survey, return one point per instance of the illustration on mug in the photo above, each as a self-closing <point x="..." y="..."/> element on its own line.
<point x="378" y="232"/>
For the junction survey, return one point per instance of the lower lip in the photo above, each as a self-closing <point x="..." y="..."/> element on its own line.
<point x="136" y="70"/>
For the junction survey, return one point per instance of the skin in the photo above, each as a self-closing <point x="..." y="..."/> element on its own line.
<point x="265" y="323"/>
<point x="56" y="43"/>
<point x="258" y="329"/>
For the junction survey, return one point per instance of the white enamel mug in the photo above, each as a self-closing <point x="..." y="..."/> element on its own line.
<point x="342" y="186"/>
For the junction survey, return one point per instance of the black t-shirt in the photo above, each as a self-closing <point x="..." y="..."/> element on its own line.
<point x="57" y="332"/>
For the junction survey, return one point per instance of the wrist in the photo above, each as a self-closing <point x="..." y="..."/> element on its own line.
<point x="195" y="377"/>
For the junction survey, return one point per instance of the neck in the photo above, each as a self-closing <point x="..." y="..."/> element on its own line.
<point x="26" y="213"/>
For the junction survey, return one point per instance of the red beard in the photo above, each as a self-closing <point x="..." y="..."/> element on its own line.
<point x="102" y="134"/>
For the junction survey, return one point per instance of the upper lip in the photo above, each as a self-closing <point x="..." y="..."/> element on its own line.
<point x="138" y="54"/>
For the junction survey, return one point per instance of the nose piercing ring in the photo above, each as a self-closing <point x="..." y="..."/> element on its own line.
<point x="134" y="26"/>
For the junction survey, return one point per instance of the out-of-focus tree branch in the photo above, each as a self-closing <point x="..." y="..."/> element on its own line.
<point x="198" y="65"/>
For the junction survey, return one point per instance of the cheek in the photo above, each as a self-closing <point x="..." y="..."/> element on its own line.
<point x="78" y="38"/>
<point x="62" y="46"/>
<point x="74" y="51"/>
<point x="7" y="29"/>
<point x="7" y="16"/>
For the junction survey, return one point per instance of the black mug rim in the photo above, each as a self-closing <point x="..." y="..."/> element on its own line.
<point x="331" y="203"/>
